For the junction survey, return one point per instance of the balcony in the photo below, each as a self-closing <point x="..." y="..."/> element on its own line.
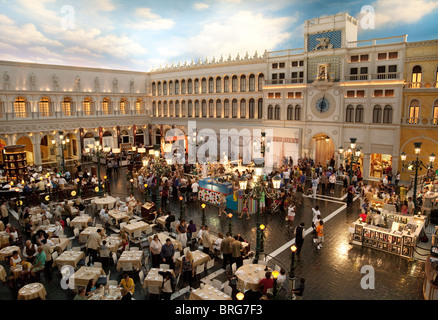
<point x="284" y="53"/>
<point x="284" y="81"/>
<point x="374" y="76"/>
<point x="421" y="85"/>
<point x="420" y="121"/>
<point x="378" y="42"/>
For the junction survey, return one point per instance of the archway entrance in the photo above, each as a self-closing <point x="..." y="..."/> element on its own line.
<point x="29" y="149"/>
<point x="321" y="149"/>
<point x="48" y="149"/>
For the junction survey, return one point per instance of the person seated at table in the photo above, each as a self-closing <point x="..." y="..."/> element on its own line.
<point x="168" y="285"/>
<point x="127" y="283"/>
<point x="13" y="235"/>
<point x="58" y="230"/>
<point x="67" y="209"/>
<point x="15" y="259"/>
<point x="91" y="286"/>
<point x="25" y="275"/>
<point x="102" y="211"/>
<point x="267" y="282"/>
<point x="126" y="295"/>
<point x="26" y="214"/>
<point x="124" y="241"/>
<point x="29" y="251"/>
<point x="131" y="199"/>
<point x="28" y="229"/>
<point x="191" y="229"/>
<point x="81" y="295"/>
<point x="40" y="262"/>
<point x="44" y="220"/>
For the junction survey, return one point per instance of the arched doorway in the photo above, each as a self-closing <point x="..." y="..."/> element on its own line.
<point x="107" y="139"/>
<point x="139" y="137"/>
<point x="71" y="151"/>
<point x="321" y="149"/>
<point x="29" y="149"/>
<point x="48" y="149"/>
<point x="89" y="140"/>
<point x="124" y="135"/>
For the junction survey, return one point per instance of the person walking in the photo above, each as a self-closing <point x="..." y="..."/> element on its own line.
<point x="320" y="233"/>
<point x="315" y="183"/>
<point x="226" y="250"/>
<point x="290" y="215"/>
<point x="299" y="237"/>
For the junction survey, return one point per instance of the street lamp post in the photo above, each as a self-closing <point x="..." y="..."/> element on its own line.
<point x="352" y="155"/>
<point x="203" y="213"/>
<point x="230" y="227"/>
<point x="416" y="164"/>
<point x="62" y="146"/>
<point x="275" y="274"/>
<point x="293" y="249"/>
<point x="181" y="208"/>
<point x="258" y="188"/>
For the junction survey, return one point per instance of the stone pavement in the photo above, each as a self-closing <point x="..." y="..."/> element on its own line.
<point x="331" y="273"/>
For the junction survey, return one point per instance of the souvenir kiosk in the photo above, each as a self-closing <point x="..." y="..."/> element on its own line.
<point x="430" y="284"/>
<point x="399" y="234"/>
<point x="211" y="190"/>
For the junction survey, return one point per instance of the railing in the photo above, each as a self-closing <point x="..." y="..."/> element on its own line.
<point x="378" y="42"/>
<point x="287" y="52"/>
<point x="420" y="121"/>
<point x="422" y="85"/>
<point x="374" y="76"/>
<point x="284" y="81"/>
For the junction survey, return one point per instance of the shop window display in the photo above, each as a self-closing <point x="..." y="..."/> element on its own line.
<point x="379" y="164"/>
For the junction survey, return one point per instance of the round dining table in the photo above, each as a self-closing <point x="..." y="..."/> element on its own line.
<point x="2" y="274"/>
<point x="250" y="275"/>
<point x="32" y="291"/>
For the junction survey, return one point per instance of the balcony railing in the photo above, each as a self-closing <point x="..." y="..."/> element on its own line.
<point x="378" y="42"/>
<point x="284" y="53"/>
<point x="284" y="81"/>
<point x="420" y="121"/>
<point x="374" y="76"/>
<point x="422" y="85"/>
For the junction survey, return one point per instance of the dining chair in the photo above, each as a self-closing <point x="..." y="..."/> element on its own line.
<point x="76" y="232"/>
<point x="134" y="249"/>
<point x="186" y="249"/>
<point x="199" y="270"/>
<point x="76" y="248"/>
<point x="155" y="290"/>
<point x="240" y="286"/>
<point x="209" y="264"/>
<point x="115" y="258"/>
<point x="121" y="225"/>
<point x="216" y="284"/>
<point x="98" y="225"/>
<point x="68" y="221"/>
<point x="54" y="255"/>
<point x="176" y="255"/>
<point x="228" y="290"/>
<point x="146" y="263"/>
<point x="234" y="268"/>
<point x="141" y="277"/>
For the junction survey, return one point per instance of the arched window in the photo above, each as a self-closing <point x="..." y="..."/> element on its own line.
<point x="435" y="112"/>
<point x="197" y="108"/>
<point x="260" y="108"/>
<point x="359" y="114"/>
<point x="177" y="109"/>
<point x="234" y="84"/>
<point x="377" y="114"/>
<point x="251" y="109"/>
<point x="290" y="112"/>
<point x="297" y="113"/>
<point x="154" y="109"/>
<point x="154" y="89"/>
<point x="106" y="106"/>
<point x="243" y="108"/>
<point x="122" y="106"/>
<point x="204" y="108"/>
<point x="218" y="85"/>
<point x="165" y="109"/>
<point x="45" y="107"/>
<point x="190" y="109"/>
<point x="349" y="114"/>
<point x="204" y="85"/>
<point x="277" y="112"/>
<point x="210" y="85"/>
<point x="87" y="107"/>
<point x="160" y="109"/>
<point x="270" y="112"/>
<point x="170" y="87"/>
<point x="196" y="86"/>
<point x="218" y="109"/>
<point x="183" y="86"/>
<point x="211" y="109"/>
<point x="234" y="108"/>
<point x="416" y="77"/>
<point x="242" y="83"/>
<point x="139" y="106"/>
<point x="226" y="108"/>
<point x="260" y="82"/>
<point x="176" y="87"/>
<point x="189" y="86"/>
<point x="387" y="114"/>
<point x="171" y="109"/>
<point x="226" y="84"/>
<point x="164" y="88"/>
<point x="183" y="109"/>
<point x="252" y="83"/>
<point x="67" y="107"/>
<point x="20" y="108"/>
<point x="414" y="112"/>
<point x="160" y="88"/>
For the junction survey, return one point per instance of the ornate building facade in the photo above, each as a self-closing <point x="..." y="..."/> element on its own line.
<point x="314" y="99"/>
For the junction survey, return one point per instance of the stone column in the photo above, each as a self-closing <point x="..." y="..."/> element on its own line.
<point x="37" y="148"/>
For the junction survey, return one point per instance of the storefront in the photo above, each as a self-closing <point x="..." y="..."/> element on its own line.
<point x="379" y="164"/>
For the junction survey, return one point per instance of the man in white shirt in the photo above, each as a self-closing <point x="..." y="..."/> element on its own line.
<point x="195" y="186"/>
<point x="286" y="176"/>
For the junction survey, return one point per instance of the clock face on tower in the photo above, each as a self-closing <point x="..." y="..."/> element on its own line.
<point x="322" y="105"/>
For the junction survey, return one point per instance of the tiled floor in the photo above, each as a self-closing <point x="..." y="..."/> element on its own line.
<point x="332" y="273"/>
